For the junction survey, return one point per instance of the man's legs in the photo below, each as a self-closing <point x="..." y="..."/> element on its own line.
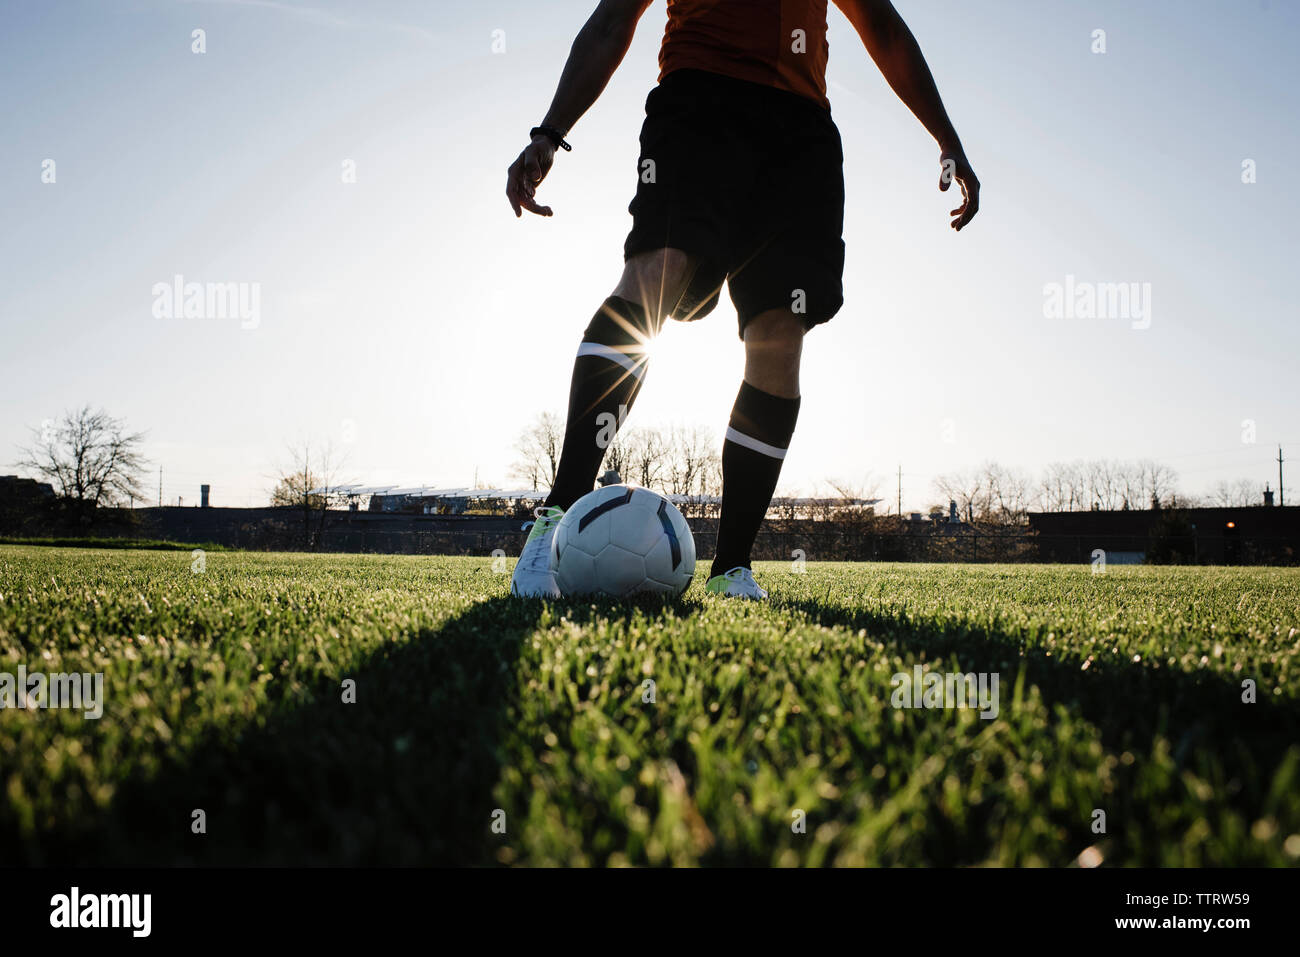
<point x="611" y="364"/>
<point x="762" y="422"/>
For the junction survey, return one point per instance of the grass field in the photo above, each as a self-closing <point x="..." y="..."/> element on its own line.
<point x="1119" y="692"/>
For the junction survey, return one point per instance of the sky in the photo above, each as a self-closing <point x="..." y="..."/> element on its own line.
<point x="345" y="161"/>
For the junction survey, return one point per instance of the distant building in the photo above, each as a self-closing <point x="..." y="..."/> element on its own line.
<point x="420" y="500"/>
<point x="23" y="503"/>
<point x="1253" y="534"/>
<point x="24" y="491"/>
<point x="445" y="501"/>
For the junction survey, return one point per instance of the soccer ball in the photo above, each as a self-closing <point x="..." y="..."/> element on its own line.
<point x="619" y="541"/>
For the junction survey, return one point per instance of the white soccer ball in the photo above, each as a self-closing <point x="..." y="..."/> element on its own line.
<point x="619" y="541"/>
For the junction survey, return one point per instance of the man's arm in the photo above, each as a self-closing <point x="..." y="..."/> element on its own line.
<point x="598" y="50"/>
<point x="900" y="60"/>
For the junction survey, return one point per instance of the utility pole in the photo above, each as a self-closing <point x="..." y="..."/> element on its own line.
<point x="1281" y="499"/>
<point x="900" y="490"/>
<point x="160" y="486"/>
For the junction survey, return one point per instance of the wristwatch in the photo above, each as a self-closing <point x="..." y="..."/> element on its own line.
<point x="552" y="134"/>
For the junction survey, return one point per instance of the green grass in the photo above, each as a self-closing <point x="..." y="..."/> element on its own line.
<point x="1120" y="692"/>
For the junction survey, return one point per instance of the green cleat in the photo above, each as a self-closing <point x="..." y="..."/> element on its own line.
<point x="534" y="577"/>
<point x="737" y="582"/>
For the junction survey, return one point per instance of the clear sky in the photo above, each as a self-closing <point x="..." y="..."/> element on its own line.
<point x="409" y="319"/>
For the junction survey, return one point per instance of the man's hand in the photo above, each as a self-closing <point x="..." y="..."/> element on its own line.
<point x="599" y="48"/>
<point x="957" y="167"/>
<point x="526" y="174"/>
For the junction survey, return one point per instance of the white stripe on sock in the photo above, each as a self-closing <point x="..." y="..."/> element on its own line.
<point x="634" y="366"/>
<point x="740" y="438"/>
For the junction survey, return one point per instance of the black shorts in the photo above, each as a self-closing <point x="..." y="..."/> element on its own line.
<point x="749" y="180"/>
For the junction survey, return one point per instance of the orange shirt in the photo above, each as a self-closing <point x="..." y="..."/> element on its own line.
<point x="780" y="43"/>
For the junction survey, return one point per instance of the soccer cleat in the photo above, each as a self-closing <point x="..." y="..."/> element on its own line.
<point x="534" y="577"/>
<point x="737" y="582"/>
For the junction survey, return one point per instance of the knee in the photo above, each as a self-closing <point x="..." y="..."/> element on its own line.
<point x="773" y="347"/>
<point x="656" y="281"/>
<point x="622" y="323"/>
<point x="775" y="332"/>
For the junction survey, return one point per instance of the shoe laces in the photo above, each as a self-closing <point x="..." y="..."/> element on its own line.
<point x="543" y="517"/>
<point x="539" y="559"/>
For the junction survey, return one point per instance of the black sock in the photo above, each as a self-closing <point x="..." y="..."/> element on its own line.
<point x="759" y="433"/>
<point x="607" y="376"/>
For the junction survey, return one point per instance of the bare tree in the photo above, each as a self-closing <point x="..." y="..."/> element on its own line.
<point x="692" y="451"/>
<point x="538" y="447"/>
<point x="711" y="480"/>
<point x="1159" y="482"/>
<point x="618" y="456"/>
<point x="309" y="484"/>
<point x="967" y="489"/>
<point x="89" y="457"/>
<point x="1062" y="487"/>
<point x="647" y="457"/>
<point x="842" y="497"/>
<point x="1235" y="494"/>
<point x="1132" y="488"/>
<point x="868" y="488"/>
<point x="1105" y="484"/>
<point x="990" y="493"/>
<point x="1007" y="494"/>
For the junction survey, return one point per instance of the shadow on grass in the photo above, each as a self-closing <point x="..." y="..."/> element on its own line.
<point x="402" y="776"/>
<point x="406" y="774"/>
<point x="1130" y="703"/>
